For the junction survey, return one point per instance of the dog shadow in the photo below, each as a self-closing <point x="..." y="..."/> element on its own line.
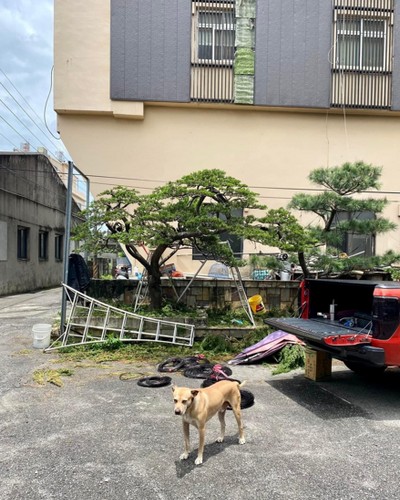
<point x="184" y="467"/>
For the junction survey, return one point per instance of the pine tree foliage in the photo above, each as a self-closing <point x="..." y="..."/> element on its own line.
<point x="191" y="212"/>
<point x="347" y="189"/>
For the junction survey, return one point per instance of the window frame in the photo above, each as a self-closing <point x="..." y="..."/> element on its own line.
<point x="43" y="245"/>
<point x="362" y="34"/>
<point x="350" y="238"/>
<point x="236" y="242"/>
<point x="23" y="242"/>
<point x="59" y="247"/>
<point x="215" y="27"/>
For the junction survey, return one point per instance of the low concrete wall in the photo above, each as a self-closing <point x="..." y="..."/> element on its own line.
<point x="217" y="294"/>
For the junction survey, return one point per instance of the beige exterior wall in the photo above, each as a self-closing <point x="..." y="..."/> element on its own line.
<point x="271" y="150"/>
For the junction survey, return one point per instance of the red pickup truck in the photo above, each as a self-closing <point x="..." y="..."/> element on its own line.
<point x="355" y="321"/>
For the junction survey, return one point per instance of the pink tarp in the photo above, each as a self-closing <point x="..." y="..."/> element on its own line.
<point x="266" y="347"/>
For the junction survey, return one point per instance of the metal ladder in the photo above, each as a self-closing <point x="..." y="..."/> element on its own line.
<point x="237" y="278"/>
<point x="92" y="321"/>
<point x="142" y="287"/>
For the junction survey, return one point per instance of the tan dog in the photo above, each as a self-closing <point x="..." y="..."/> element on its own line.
<point x="197" y="406"/>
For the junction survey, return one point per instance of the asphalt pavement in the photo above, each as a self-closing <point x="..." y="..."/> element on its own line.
<point x="102" y="438"/>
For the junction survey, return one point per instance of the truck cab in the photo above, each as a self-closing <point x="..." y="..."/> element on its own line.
<point x="355" y="321"/>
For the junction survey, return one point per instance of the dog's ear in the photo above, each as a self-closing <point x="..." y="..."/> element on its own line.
<point x="194" y="392"/>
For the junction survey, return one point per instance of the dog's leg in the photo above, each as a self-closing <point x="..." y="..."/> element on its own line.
<point x="186" y="438"/>
<point x="221" y="416"/>
<point x="238" y="416"/>
<point x="202" y="434"/>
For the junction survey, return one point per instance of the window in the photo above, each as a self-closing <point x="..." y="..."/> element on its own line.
<point x="385" y="316"/>
<point x="23" y="243"/>
<point x="362" y="54"/>
<point x="3" y="241"/>
<point x="235" y="242"/>
<point x="216" y="36"/>
<point x="353" y="243"/>
<point x="43" y="245"/>
<point x="360" y="43"/>
<point x="58" y="249"/>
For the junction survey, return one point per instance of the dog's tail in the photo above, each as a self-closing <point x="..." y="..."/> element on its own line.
<point x="242" y="383"/>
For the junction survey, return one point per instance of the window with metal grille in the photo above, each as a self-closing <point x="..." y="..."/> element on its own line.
<point x="362" y="53"/>
<point x="23" y="243"/>
<point x="213" y="51"/>
<point x="43" y="245"/>
<point x="361" y="43"/>
<point x="216" y="36"/>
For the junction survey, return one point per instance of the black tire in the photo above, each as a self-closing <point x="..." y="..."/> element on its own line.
<point x="210" y="381"/>
<point x="171" y="365"/>
<point x="364" y="369"/>
<point x="198" y="371"/>
<point x="190" y="361"/>
<point x="247" y="399"/>
<point x="155" y="381"/>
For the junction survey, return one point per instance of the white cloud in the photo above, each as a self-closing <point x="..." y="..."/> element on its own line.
<point x="26" y="60"/>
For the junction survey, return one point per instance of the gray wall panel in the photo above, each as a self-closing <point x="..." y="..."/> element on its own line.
<point x="150" y="50"/>
<point x="293" y="40"/>
<point x="117" y="77"/>
<point x="396" y="59"/>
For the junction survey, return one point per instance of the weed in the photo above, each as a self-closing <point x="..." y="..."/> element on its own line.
<point x="290" y="358"/>
<point x="112" y="343"/>
<point x="216" y="344"/>
<point x="43" y="376"/>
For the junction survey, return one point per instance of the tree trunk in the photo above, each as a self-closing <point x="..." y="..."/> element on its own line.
<point x="303" y="264"/>
<point x="155" y="292"/>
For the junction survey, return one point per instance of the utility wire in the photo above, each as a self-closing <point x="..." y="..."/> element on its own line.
<point x="28" y="115"/>
<point x="15" y="130"/>
<point x="9" y="140"/>
<point x="40" y="120"/>
<point x="278" y="188"/>
<point x="47" y="100"/>
<point x="23" y="98"/>
<point x="23" y="124"/>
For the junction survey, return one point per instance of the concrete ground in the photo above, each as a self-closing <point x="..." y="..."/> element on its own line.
<point x="99" y="437"/>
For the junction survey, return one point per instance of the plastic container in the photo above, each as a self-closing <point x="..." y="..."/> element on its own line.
<point x="256" y="304"/>
<point x="285" y="276"/>
<point x="41" y="335"/>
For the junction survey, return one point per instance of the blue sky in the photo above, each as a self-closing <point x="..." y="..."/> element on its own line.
<point x="26" y="61"/>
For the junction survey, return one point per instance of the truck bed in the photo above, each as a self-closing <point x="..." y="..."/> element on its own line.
<point x="331" y="336"/>
<point x="312" y="329"/>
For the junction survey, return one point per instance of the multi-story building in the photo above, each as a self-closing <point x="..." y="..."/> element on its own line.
<point x="266" y="90"/>
<point x="32" y="223"/>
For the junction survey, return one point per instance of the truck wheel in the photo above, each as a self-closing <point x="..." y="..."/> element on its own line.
<point x="364" y="369"/>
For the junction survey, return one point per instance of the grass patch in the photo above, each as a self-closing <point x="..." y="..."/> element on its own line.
<point x="44" y="376"/>
<point x="216" y="348"/>
<point x="290" y="358"/>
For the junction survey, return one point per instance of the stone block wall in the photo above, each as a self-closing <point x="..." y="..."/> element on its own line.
<point x="217" y="294"/>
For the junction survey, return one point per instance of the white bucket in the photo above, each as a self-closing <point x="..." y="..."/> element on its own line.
<point x="285" y="276"/>
<point x="41" y="335"/>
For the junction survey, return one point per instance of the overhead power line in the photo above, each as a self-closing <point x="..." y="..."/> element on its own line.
<point x="41" y="124"/>
<point x="26" y="102"/>
<point x="28" y="115"/>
